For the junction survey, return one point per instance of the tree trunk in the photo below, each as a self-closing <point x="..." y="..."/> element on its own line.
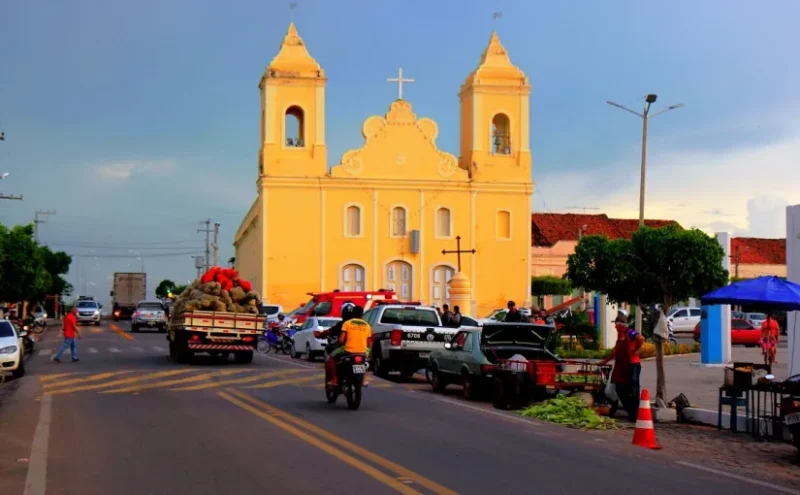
<point x="661" y="382"/>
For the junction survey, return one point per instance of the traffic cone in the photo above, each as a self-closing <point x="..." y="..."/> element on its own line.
<point x="645" y="435"/>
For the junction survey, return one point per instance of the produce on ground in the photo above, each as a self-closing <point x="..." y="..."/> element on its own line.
<point x="569" y="411"/>
<point x="219" y="289"/>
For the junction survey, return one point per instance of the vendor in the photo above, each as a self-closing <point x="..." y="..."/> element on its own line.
<point x="770" y="334"/>
<point x="627" y="365"/>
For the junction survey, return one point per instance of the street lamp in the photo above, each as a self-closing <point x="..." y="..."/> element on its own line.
<point x="4" y="175"/>
<point x="645" y="116"/>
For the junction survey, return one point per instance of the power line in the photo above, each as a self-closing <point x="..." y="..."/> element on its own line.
<point x="127" y="247"/>
<point x="128" y="256"/>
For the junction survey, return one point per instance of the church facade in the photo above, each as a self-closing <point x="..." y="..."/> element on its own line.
<point x="382" y="216"/>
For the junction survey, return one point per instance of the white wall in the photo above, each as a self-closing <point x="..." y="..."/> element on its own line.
<point x="793" y="274"/>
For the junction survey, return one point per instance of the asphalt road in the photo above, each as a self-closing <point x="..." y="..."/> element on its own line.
<point x="126" y="420"/>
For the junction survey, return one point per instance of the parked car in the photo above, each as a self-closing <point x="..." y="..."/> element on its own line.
<point x="756" y="319"/>
<point x="742" y="333"/>
<point x="684" y="319"/>
<point x="307" y="340"/>
<point x="499" y="315"/>
<point x="469" y="358"/>
<point x="11" y="350"/>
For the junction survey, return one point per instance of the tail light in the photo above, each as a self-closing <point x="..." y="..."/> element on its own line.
<point x="358" y="359"/>
<point x="397" y="336"/>
<point x="247" y="339"/>
<point x="487" y="368"/>
<point x="194" y="337"/>
<point x="370" y="340"/>
<point x="317" y="334"/>
<point x="116" y="313"/>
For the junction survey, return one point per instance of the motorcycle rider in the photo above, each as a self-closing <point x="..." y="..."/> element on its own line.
<point x="348" y="336"/>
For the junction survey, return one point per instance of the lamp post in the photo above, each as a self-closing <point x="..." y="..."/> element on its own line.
<point x="645" y="116"/>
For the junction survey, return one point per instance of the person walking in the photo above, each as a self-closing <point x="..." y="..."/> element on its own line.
<point x="71" y="332"/>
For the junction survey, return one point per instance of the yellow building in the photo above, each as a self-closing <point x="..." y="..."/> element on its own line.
<point x="382" y="217"/>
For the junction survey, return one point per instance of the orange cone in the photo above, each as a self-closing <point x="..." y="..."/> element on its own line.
<point x="645" y="435"/>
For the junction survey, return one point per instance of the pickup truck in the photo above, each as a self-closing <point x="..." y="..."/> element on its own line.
<point x="404" y="337"/>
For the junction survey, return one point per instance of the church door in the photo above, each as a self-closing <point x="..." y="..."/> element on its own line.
<point x="440" y="289"/>
<point x="399" y="279"/>
<point x="352" y="278"/>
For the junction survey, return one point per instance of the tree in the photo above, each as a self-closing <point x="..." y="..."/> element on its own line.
<point x="165" y="287"/>
<point x="56" y="264"/>
<point x="22" y="272"/>
<point x="656" y="266"/>
<point x="548" y="285"/>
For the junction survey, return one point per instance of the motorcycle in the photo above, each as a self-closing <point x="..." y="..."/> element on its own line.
<point x="350" y="370"/>
<point x="276" y="339"/>
<point x="27" y="341"/>
<point x="790" y="407"/>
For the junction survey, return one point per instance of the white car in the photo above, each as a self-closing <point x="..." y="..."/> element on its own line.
<point x="307" y="341"/>
<point x="271" y="311"/>
<point x="499" y="315"/>
<point x="40" y="315"/>
<point x="756" y="319"/>
<point x="684" y="319"/>
<point x="11" y="350"/>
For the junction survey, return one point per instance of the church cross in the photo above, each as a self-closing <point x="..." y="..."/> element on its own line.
<point x="458" y="251"/>
<point x="399" y="80"/>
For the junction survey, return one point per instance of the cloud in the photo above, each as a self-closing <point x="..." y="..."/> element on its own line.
<point x="122" y="171"/>
<point x="743" y="189"/>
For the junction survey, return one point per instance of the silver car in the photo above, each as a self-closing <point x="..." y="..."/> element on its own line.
<point x="149" y="314"/>
<point x="88" y="312"/>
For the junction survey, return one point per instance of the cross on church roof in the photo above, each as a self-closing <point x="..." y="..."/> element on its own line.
<point x="399" y="80"/>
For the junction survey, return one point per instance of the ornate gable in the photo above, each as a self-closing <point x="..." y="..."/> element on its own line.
<point x="399" y="146"/>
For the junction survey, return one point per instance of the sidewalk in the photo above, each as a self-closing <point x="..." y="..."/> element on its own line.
<point x="701" y="384"/>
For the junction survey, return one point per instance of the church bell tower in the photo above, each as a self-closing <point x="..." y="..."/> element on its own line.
<point x="495" y="119"/>
<point x="293" y="113"/>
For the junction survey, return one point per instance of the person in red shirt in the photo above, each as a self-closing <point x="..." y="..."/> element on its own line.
<point x="770" y="333"/>
<point x="627" y="365"/>
<point x="71" y="332"/>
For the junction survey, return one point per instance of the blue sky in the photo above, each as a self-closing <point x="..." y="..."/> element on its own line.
<point x="138" y="120"/>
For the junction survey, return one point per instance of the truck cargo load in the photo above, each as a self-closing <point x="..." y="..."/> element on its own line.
<point x="129" y="288"/>
<point x="218" y="314"/>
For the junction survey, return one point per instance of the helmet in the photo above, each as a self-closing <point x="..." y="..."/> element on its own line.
<point x="281" y="316"/>
<point x="347" y="311"/>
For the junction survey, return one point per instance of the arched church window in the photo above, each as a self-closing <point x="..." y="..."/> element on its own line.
<point x="352" y="227"/>
<point x="504" y="225"/>
<point x="444" y="223"/>
<point x="294" y="127"/>
<point x="501" y="135"/>
<point x="398" y="221"/>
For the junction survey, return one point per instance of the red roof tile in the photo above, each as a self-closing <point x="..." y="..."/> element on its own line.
<point x="755" y="251"/>
<point x="627" y="226"/>
<point x="549" y="228"/>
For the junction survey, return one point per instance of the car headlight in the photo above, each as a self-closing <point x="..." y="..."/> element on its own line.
<point x="8" y="350"/>
<point x="97" y="313"/>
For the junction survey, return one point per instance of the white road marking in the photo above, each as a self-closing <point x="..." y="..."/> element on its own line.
<point x="92" y="350"/>
<point x="718" y="472"/>
<point x="137" y="349"/>
<point x="45" y="352"/>
<point x="36" y="480"/>
<point x="287" y="361"/>
<point x="113" y="349"/>
<point x="158" y="349"/>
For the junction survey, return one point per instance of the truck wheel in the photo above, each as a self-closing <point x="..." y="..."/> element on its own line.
<point x="173" y="352"/>
<point x="243" y="357"/>
<point x="379" y="365"/>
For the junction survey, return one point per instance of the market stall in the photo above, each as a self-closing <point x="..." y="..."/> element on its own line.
<point x="752" y="386"/>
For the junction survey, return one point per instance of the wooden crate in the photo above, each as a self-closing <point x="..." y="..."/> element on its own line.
<point x="223" y="320"/>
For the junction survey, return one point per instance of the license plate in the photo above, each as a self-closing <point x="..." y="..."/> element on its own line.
<point x="359" y="369"/>
<point x="792" y="419"/>
<point x="424" y="354"/>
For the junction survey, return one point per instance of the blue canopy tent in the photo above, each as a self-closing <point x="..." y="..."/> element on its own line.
<point x="770" y="293"/>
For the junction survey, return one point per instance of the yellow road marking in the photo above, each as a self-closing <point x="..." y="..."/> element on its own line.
<point x="85" y="379"/>
<point x="53" y="376"/>
<point x="347" y="459"/>
<point x="274" y="413"/>
<point x="291" y="381"/>
<point x="115" y="383"/>
<point x="117" y="330"/>
<point x="169" y="383"/>
<point x="237" y="381"/>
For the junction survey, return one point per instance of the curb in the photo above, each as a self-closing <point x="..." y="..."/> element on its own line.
<point x="710" y="417"/>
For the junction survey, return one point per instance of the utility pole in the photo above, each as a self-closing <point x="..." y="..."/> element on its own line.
<point x="661" y="388"/>
<point x="37" y="221"/>
<point x="215" y="246"/>
<point x="208" y="232"/>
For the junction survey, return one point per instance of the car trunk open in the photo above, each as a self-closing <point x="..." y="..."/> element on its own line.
<point x="503" y="340"/>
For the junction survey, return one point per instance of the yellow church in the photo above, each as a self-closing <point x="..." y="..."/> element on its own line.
<point x="383" y="216"/>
